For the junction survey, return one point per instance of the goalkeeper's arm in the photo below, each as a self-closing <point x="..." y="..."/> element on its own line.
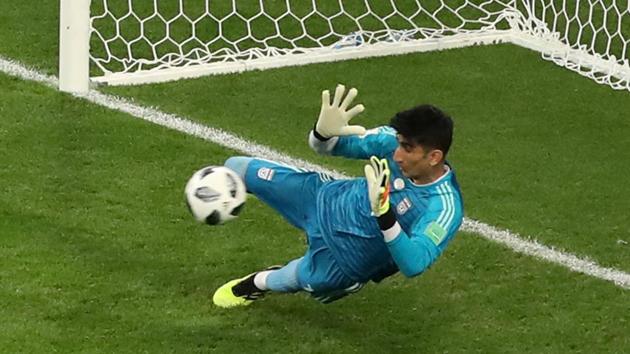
<point x="412" y="255"/>
<point x="333" y="120"/>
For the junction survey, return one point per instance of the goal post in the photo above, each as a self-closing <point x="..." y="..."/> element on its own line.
<point x="120" y="42"/>
<point x="74" y="49"/>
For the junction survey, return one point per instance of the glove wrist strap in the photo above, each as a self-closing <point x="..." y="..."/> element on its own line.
<point x="387" y="220"/>
<point x="318" y="136"/>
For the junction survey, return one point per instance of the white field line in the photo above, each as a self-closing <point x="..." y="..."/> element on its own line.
<point x="231" y="141"/>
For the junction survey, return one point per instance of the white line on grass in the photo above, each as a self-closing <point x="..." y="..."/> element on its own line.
<point x="231" y="141"/>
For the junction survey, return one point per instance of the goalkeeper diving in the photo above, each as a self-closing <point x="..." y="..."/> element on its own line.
<point x="399" y="217"/>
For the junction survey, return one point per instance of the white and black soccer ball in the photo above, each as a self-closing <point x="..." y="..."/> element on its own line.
<point x="215" y="194"/>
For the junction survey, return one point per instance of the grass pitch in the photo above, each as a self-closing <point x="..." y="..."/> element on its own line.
<point x="98" y="253"/>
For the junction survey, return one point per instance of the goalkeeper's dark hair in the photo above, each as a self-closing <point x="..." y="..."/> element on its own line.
<point x="425" y="125"/>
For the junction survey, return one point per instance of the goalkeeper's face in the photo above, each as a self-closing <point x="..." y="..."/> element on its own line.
<point x="417" y="162"/>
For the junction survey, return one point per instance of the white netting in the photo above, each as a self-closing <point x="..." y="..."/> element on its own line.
<point x="139" y="35"/>
<point x="133" y="38"/>
<point x="590" y="37"/>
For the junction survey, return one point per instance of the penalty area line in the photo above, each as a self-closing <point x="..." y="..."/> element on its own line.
<point x="231" y="141"/>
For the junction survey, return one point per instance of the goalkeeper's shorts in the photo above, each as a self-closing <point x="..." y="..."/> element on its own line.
<point x="320" y="275"/>
<point x="292" y="192"/>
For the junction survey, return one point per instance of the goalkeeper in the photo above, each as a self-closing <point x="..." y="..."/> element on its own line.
<point x="399" y="217"/>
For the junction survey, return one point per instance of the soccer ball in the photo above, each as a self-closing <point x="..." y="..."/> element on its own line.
<point x="215" y="194"/>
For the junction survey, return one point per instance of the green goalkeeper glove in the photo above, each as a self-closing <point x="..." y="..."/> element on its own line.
<point x="333" y="118"/>
<point x="377" y="175"/>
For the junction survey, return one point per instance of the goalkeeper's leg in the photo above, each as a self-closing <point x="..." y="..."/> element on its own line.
<point x="244" y="291"/>
<point x="324" y="282"/>
<point x="316" y="273"/>
<point x="290" y="190"/>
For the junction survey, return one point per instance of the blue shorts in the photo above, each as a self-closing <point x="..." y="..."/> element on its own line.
<point x="292" y="192"/>
<point x="289" y="190"/>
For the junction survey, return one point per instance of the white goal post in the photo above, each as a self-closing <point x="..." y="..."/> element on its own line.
<point x="122" y="42"/>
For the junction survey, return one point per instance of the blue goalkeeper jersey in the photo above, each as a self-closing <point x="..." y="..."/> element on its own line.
<point x="429" y="215"/>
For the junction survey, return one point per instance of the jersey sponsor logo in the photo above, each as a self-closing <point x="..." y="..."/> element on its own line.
<point x="265" y="173"/>
<point x="403" y="206"/>
<point x="435" y="232"/>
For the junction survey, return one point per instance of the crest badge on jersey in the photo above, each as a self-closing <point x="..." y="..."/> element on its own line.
<point x="399" y="184"/>
<point x="403" y="206"/>
<point x="265" y="173"/>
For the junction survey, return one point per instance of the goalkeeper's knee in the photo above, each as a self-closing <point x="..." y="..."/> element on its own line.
<point x="238" y="164"/>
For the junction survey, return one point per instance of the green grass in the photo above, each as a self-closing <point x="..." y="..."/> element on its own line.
<point x="98" y="252"/>
<point x="99" y="255"/>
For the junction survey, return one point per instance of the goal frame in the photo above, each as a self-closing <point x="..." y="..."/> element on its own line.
<point x="524" y="31"/>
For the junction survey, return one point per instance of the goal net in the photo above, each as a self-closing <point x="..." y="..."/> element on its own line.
<point x="141" y="41"/>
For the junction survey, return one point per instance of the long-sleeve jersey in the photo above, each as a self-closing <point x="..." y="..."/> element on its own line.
<point x="429" y="215"/>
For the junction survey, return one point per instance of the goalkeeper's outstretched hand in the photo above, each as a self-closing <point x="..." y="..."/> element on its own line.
<point x="377" y="175"/>
<point x="333" y="118"/>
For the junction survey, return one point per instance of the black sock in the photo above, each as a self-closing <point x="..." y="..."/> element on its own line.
<point x="247" y="287"/>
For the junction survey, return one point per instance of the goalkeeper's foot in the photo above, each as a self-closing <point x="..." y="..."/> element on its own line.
<point x="239" y="292"/>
